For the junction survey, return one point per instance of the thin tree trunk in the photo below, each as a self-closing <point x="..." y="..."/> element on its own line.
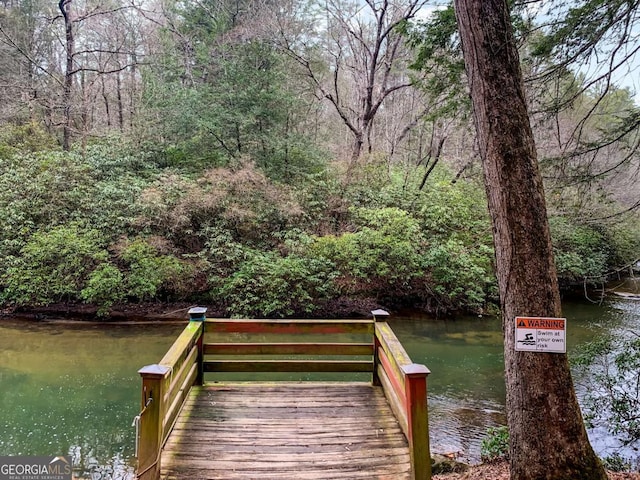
<point x="120" y="104"/>
<point x="105" y="98"/>
<point x="65" y="9"/>
<point x="132" y="93"/>
<point x="548" y="439"/>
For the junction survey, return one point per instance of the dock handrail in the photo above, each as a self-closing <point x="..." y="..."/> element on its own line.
<point x="324" y="352"/>
<point x="165" y="386"/>
<point x="405" y="386"/>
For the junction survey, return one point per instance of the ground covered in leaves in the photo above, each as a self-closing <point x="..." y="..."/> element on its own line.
<point x="500" y="471"/>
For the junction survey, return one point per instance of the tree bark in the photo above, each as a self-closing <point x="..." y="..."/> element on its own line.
<point x="65" y="9"/>
<point x="548" y="439"/>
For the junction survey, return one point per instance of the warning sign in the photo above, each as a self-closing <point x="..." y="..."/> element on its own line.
<point x="539" y="334"/>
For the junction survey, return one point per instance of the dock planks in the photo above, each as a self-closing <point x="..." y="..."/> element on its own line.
<point x="286" y="432"/>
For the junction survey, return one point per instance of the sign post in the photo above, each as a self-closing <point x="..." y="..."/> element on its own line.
<point x="541" y="334"/>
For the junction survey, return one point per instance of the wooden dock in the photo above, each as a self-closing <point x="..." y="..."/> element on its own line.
<point x="288" y="431"/>
<point x="191" y="429"/>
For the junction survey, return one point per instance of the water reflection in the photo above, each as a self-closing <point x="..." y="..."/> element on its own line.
<point x="466" y="386"/>
<point x="71" y="388"/>
<point x="465" y="355"/>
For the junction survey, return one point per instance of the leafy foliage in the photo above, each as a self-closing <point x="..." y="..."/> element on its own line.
<point x="138" y="231"/>
<point x="616" y="463"/>
<point x="53" y="266"/>
<point x="104" y="287"/>
<point x="495" y="445"/>
<point x="237" y="106"/>
<point x="267" y="284"/>
<point x="461" y="277"/>
<point x="381" y="258"/>
<point x="242" y="202"/>
<point x="589" y="253"/>
<point x="613" y="397"/>
<point x="581" y="252"/>
<point x="438" y="54"/>
<point x="151" y="275"/>
<point x="28" y="137"/>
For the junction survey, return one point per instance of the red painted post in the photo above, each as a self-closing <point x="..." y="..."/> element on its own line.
<point x="150" y="421"/>
<point x="415" y="386"/>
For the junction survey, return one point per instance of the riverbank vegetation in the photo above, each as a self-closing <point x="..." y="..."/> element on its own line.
<point x="109" y="225"/>
<point x="243" y="159"/>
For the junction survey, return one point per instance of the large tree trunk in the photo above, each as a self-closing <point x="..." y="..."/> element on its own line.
<point x="548" y="439"/>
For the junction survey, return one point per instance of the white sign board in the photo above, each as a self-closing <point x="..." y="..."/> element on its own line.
<point x="540" y="334"/>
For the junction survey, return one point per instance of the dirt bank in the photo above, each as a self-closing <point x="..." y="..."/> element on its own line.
<point x="500" y="471"/>
<point x="338" y="308"/>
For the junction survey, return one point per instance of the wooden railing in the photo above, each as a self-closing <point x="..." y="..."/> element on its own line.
<point x="164" y="389"/>
<point x="165" y="386"/>
<point x="405" y="386"/>
<point x="252" y="354"/>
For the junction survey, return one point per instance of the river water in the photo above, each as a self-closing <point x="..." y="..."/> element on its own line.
<point x="466" y="386"/>
<point x="72" y="387"/>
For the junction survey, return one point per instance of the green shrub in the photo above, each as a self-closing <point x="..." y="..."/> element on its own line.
<point x="581" y="252"/>
<point x="495" y="445"/>
<point x="380" y="259"/>
<point x="461" y="276"/>
<point x="41" y="190"/>
<point x="150" y="275"/>
<point x="616" y="463"/>
<point x="53" y="266"/>
<point x="104" y="287"/>
<point x="27" y="137"/>
<point x="243" y="202"/>
<point x="267" y="284"/>
<point x="624" y="242"/>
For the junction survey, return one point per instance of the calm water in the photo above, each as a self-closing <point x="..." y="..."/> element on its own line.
<point x="73" y="389"/>
<point x="69" y="388"/>
<point x="466" y="386"/>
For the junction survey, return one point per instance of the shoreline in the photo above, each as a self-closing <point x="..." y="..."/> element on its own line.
<point x="499" y="470"/>
<point x="339" y="308"/>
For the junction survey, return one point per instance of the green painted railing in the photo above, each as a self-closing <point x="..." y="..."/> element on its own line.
<point x="165" y="386"/>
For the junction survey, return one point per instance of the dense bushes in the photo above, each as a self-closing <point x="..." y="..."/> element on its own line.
<point x="69" y="263"/>
<point x="108" y="226"/>
<point x="381" y="258"/>
<point x="268" y="284"/>
<point x="590" y="252"/>
<point x="53" y="265"/>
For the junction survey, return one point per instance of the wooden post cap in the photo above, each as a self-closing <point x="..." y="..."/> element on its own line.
<point x="154" y="370"/>
<point x="197" y="314"/>
<point x="415" y="369"/>
<point x="379" y="313"/>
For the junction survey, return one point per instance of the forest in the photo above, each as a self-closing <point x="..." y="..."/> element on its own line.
<point x="272" y="158"/>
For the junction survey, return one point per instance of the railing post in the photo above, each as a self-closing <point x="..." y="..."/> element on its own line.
<point x="415" y="385"/>
<point x="375" y="379"/>
<point x="150" y="421"/>
<point x="199" y="314"/>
